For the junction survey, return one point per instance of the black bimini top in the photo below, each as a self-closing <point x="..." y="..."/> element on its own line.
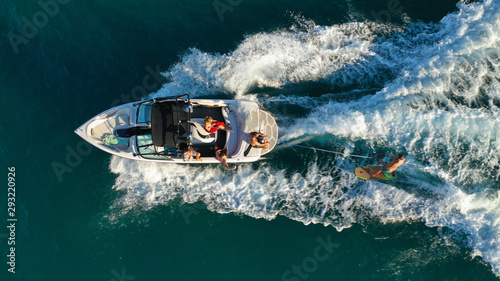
<point x="168" y="123"/>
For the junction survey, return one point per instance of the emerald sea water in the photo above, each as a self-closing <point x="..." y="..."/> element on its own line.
<point x="358" y="77"/>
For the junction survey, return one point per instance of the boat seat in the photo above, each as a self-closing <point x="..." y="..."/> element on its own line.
<point x="232" y="138"/>
<point x="122" y="119"/>
<point x="200" y="135"/>
<point x="108" y="125"/>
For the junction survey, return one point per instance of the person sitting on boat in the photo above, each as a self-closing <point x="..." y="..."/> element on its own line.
<point x="221" y="155"/>
<point x="212" y="125"/>
<point x="390" y="167"/>
<point x="190" y="153"/>
<point x="258" y="140"/>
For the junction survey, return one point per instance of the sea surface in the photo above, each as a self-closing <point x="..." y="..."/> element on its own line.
<point x="358" y="77"/>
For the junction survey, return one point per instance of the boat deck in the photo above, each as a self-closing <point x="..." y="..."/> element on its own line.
<point x="207" y="149"/>
<point x="203" y="111"/>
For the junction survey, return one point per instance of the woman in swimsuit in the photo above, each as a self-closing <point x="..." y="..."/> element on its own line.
<point x="221" y="155"/>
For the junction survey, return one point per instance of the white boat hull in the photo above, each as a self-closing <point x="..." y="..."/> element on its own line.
<point x="110" y="131"/>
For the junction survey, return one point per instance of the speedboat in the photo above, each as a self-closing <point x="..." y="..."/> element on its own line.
<point x="162" y="129"/>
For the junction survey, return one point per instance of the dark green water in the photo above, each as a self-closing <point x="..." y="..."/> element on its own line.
<point x="296" y="215"/>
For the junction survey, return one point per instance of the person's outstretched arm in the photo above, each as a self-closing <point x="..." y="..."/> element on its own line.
<point x="228" y="167"/>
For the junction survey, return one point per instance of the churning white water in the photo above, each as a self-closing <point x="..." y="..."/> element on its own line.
<point x="429" y="90"/>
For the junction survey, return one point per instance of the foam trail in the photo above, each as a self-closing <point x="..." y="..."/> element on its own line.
<point x="443" y="109"/>
<point x="304" y="53"/>
<point x="429" y="107"/>
<point x="439" y="102"/>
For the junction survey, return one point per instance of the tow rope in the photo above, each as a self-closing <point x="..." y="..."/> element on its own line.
<point x="314" y="148"/>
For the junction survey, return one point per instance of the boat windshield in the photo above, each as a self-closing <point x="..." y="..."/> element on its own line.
<point x="144" y="112"/>
<point x="148" y="150"/>
<point x="169" y="124"/>
<point x="169" y="127"/>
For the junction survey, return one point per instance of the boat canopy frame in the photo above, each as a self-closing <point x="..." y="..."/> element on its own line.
<point x="170" y="127"/>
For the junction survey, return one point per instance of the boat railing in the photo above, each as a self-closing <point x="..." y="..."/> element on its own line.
<point x="159" y="100"/>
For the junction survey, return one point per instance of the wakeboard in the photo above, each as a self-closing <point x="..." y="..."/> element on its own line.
<point x="367" y="171"/>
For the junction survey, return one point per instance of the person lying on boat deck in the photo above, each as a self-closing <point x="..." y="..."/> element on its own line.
<point x="212" y="125"/>
<point x="258" y="140"/>
<point x="391" y="166"/>
<point x="221" y="155"/>
<point x="190" y="153"/>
